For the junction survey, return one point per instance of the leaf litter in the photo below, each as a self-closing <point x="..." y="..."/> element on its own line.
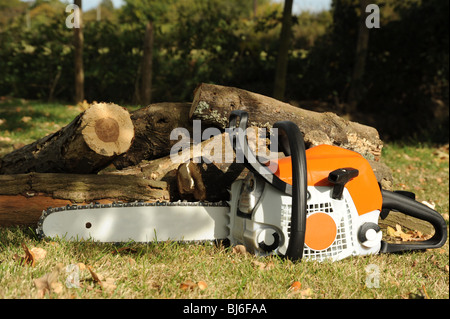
<point x="410" y="235"/>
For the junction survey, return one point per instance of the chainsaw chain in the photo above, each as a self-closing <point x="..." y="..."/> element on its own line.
<point x="97" y="205"/>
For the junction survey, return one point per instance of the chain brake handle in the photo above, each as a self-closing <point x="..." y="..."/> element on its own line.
<point x="290" y="140"/>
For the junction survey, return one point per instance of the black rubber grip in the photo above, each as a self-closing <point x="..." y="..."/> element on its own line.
<point x="407" y="205"/>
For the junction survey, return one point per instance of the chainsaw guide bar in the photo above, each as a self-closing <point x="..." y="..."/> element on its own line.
<point x="137" y="221"/>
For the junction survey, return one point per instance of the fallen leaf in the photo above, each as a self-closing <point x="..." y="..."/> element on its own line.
<point x="26" y="119"/>
<point x="107" y="284"/>
<point x="239" y="249"/>
<point x="202" y="285"/>
<point x="188" y="285"/>
<point x="259" y="264"/>
<point x="49" y="282"/>
<point x="94" y="275"/>
<point x="306" y="292"/>
<point x="29" y="256"/>
<point x="405" y="236"/>
<point x="390" y="231"/>
<point x="38" y="253"/>
<point x="296" y="285"/>
<point x="425" y="292"/>
<point x="81" y="266"/>
<point x="446" y="268"/>
<point x="263" y="266"/>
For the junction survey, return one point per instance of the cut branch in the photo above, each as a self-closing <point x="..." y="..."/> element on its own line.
<point x="24" y="196"/>
<point x="86" y="145"/>
<point x="213" y="103"/>
<point x="152" y="125"/>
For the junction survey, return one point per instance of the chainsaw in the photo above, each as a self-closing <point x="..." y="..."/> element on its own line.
<point x="323" y="203"/>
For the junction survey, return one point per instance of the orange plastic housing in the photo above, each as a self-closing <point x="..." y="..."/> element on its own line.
<point x="323" y="159"/>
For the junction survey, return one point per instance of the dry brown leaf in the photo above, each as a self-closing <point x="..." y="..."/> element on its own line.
<point x="296" y="285"/>
<point x="188" y="285"/>
<point x="390" y="231"/>
<point x="38" y="253"/>
<point x="259" y="264"/>
<point x="202" y="285"/>
<point x="410" y="235"/>
<point x="81" y="266"/>
<point x="29" y="258"/>
<point x="425" y="292"/>
<point x="26" y="119"/>
<point x="306" y="292"/>
<point x="239" y="249"/>
<point x="49" y="282"/>
<point x="263" y="266"/>
<point x="94" y="275"/>
<point x="107" y="284"/>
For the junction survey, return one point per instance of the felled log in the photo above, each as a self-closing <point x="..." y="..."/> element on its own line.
<point x="207" y="170"/>
<point x="86" y="145"/>
<point x="24" y="196"/>
<point x="213" y="103"/>
<point x="152" y="125"/>
<point x="194" y="173"/>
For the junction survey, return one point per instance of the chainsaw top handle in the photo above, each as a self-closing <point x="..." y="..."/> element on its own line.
<point x="290" y="139"/>
<point x="404" y="204"/>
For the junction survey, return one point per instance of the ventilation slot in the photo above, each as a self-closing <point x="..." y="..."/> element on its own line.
<point x="343" y="235"/>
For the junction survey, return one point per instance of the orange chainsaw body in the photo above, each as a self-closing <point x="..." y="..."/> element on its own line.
<point x="323" y="159"/>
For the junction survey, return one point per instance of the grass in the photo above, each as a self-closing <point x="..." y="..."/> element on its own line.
<point x="164" y="270"/>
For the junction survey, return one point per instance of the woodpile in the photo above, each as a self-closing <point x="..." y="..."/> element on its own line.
<point x="108" y="154"/>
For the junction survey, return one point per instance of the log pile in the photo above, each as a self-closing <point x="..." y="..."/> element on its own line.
<point x="108" y="154"/>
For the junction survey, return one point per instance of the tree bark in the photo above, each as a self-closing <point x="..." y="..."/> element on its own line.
<point x="213" y="103"/>
<point x="86" y="145"/>
<point x="24" y="196"/>
<point x="212" y="176"/>
<point x="153" y="125"/>
<point x="282" y="59"/>
<point x="78" y="56"/>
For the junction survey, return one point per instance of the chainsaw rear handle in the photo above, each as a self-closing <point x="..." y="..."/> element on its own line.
<point x="404" y="204"/>
<point x="291" y="141"/>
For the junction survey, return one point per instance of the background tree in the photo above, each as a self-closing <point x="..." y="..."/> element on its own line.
<point x="282" y="58"/>
<point x="404" y="87"/>
<point x="146" y="13"/>
<point x="356" y="91"/>
<point x="78" y="55"/>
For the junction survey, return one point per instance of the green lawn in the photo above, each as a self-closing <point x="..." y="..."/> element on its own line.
<point x="173" y="270"/>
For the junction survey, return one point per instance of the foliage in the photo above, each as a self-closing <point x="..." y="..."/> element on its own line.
<point x="231" y="43"/>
